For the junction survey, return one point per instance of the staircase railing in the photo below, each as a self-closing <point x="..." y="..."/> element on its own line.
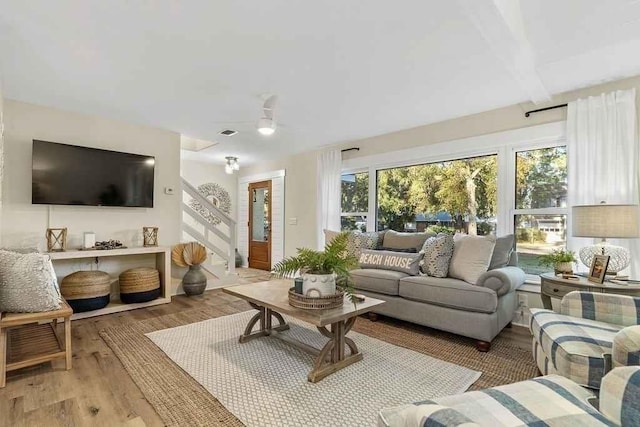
<point x="225" y="245"/>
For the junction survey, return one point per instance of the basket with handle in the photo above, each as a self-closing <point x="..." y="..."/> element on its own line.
<point x="314" y="301"/>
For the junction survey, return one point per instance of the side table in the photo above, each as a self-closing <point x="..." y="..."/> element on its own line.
<point x="553" y="286"/>
<point x="27" y="339"/>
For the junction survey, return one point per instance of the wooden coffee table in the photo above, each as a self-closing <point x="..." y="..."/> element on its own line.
<point x="271" y="300"/>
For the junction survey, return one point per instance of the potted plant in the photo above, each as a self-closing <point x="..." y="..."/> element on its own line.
<point x="321" y="270"/>
<point x="560" y="259"/>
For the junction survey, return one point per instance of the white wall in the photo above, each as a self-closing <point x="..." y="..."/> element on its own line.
<point x="24" y="224"/>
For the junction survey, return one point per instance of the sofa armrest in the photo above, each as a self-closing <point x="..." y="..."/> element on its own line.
<point x="626" y="347"/>
<point x="608" y="308"/>
<point x="619" y="393"/>
<point x="502" y="280"/>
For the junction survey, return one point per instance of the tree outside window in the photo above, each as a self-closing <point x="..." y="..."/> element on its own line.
<point x="456" y="195"/>
<point x="355" y="201"/>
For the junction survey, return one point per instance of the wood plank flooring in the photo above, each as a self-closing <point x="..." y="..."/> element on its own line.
<point x="98" y="391"/>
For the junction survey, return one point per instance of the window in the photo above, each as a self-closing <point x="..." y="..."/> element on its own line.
<point x="456" y="195"/>
<point x="355" y="201"/>
<point x="540" y="214"/>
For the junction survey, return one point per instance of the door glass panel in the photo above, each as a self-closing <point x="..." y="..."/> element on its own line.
<point x="260" y="221"/>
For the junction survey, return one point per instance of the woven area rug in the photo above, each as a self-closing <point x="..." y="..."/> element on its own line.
<point x="264" y="382"/>
<point x="180" y="400"/>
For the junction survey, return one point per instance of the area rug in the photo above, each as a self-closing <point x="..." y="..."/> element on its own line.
<point x="264" y="382"/>
<point x="180" y="400"/>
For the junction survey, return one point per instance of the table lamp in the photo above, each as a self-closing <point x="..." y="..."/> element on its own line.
<point x="606" y="221"/>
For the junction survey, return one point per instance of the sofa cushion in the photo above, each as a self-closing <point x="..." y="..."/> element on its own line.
<point x="471" y="256"/>
<point x="574" y="346"/>
<point x="449" y="292"/>
<point x="437" y="255"/>
<point x="380" y="281"/>
<point x="396" y="240"/>
<point x="403" y="250"/>
<point x="502" y="252"/>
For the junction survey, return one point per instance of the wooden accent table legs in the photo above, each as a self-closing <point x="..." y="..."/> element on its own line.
<point x="329" y="359"/>
<point x="27" y="339"/>
<point x="332" y="357"/>
<point x="264" y="316"/>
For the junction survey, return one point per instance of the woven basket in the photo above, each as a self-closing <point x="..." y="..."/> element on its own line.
<point x="316" y="302"/>
<point x="86" y="290"/>
<point x="139" y="285"/>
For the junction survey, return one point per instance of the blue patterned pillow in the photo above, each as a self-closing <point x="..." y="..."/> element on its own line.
<point x="357" y="242"/>
<point x="437" y="253"/>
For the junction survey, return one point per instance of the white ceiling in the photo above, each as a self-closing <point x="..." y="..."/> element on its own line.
<point x="343" y="69"/>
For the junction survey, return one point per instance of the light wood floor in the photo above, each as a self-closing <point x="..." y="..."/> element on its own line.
<point x="98" y="391"/>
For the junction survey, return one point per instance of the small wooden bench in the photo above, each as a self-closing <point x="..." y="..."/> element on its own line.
<point x="27" y="339"/>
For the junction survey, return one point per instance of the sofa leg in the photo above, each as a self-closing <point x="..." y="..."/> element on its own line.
<point x="509" y="325"/>
<point x="373" y="316"/>
<point x="483" y="346"/>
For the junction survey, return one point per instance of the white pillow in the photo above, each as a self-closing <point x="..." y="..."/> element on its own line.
<point x="471" y="256"/>
<point x="28" y="283"/>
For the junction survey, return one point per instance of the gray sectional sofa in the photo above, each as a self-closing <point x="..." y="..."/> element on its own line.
<point x="478" y="311"/>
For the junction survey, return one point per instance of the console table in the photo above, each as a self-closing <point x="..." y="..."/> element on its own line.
<point x="553" y="286"/>
<point x="163" y="265"/>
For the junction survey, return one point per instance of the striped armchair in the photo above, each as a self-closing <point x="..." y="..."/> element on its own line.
<point x="592" y="334"/>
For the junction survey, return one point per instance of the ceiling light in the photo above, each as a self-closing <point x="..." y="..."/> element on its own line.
<point x="266" y="126"/>
<point x="232" y="165"/>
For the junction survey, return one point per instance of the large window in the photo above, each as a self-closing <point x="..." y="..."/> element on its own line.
<point x="540" y="214"/>
<point x="355" y="201"/>
<point x="456" y="195"/>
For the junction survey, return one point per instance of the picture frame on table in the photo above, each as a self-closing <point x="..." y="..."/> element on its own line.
<point x="598" y="268"/>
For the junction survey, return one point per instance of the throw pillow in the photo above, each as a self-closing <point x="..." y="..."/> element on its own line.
<point x="437" y="255"/>
<point x="395" y="261"/>
<point x="471" y="256"/>
<point x="396" y="240"/>
<point x="358" y="242"/>
<point x="502" y="252"/>
<point x="329" y="235"/>
<point x="27" y="283"/>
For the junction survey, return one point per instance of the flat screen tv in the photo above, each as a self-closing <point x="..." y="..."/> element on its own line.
<point x="65" y="174"/>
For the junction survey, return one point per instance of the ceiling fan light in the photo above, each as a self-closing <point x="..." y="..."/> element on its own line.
<point x="266" y="126"/>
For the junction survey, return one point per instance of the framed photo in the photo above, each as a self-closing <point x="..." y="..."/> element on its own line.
<point x="598" y="268"/>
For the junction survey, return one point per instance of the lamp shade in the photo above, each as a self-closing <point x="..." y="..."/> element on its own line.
<point x="605" y="221"/>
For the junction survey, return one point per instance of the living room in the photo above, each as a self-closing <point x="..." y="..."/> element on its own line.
<point x="223" y="213"/>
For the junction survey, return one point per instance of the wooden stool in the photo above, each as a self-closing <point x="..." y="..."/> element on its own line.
<point x="26" y="342"/>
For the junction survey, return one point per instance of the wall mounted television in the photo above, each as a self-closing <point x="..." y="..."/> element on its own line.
<point x="65" y="174"/>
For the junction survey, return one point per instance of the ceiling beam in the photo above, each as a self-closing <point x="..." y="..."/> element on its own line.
<point x="501" y="25"/>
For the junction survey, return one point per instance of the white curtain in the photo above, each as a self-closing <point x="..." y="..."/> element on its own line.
<point x="602" y="145"/>
<point x="328" y="215"/>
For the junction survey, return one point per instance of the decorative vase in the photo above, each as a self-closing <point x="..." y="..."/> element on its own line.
<point x="194" y="281"/>
<point x="238" y="259"/>
<point x="322" y="284"/>
<point x="563" y="267"/>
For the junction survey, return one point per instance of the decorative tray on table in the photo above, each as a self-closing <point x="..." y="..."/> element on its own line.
<point x="315" y="302"/>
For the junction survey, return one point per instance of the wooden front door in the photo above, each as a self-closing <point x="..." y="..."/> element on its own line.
<point x="260" y="225"/>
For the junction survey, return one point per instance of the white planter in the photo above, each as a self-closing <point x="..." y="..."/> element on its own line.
<point x="564" y="267"/>
<point x="318" y="284"/>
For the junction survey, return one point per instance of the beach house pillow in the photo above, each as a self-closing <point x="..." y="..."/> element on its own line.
<point x="437" y="252"/>
<point x="471" y="256"/>
<point x="502" y="252"/>
<point x="387" y="260"/>
<point x="27" y="283"/>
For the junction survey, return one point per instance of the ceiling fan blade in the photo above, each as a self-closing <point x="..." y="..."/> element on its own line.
<point x="269" y="106"/>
